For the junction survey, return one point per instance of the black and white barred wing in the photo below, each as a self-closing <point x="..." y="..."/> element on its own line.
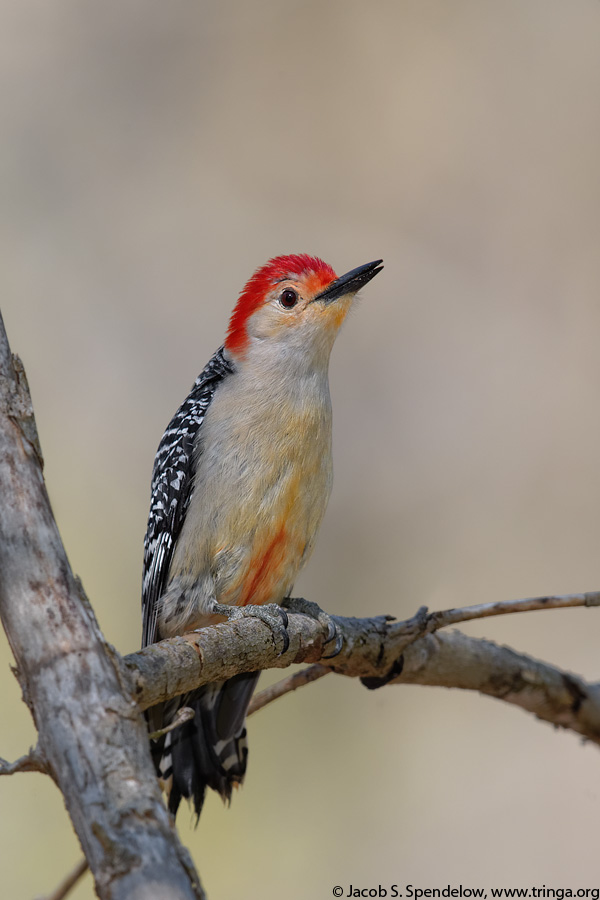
<point x="172" y="486"/>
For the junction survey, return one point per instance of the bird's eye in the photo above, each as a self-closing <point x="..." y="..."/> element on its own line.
<point x="288" y="298"/>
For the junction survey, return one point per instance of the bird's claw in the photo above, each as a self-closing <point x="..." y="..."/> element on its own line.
<point x="271" y="614"/>
<point x="309" y="608"/>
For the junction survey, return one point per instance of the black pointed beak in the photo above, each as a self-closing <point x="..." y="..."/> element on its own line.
<point x="350" y="282"/>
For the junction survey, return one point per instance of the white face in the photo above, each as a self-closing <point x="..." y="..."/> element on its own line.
<point x="294" y="318"/>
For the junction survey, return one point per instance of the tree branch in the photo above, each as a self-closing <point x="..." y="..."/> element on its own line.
<point x="503" y="607"/>
<point x="378" y="651"/>
<point x="291" y="683"/>
<point x="91" y="734"/>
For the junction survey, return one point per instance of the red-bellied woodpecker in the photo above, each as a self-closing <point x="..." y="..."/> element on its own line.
<point x="241" y="480"/>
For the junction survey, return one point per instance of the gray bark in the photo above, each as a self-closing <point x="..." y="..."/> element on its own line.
<point x="378" y="651"/>
<point x="92" y="736"/>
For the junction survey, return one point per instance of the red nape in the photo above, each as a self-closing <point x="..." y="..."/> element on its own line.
<point x="294" y="266"/>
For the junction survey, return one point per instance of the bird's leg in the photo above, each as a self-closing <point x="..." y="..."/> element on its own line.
<point x="271" y="614"/>
<point x="309" y="608"/>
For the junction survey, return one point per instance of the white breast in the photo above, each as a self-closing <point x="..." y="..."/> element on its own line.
<point x="263" y="481"/>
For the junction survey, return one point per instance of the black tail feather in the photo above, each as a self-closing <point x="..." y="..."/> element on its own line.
<point x="211" y="749"/>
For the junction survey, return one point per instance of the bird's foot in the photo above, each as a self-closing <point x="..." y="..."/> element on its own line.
<point x="308" y="608"/>
<point x="271" y="614"/>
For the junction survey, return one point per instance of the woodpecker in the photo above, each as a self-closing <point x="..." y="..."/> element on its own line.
<point x="240" y="483"/>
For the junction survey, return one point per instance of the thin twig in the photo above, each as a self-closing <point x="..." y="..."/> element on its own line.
<point x="183" y="715"/>
<point x="69" y="882"/>
<point x="31" y="762"/>
<point x="291" y="683"/>
<point x="447" y="617"/>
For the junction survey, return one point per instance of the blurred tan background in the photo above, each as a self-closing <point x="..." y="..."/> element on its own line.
<point x="153" y="154"/>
